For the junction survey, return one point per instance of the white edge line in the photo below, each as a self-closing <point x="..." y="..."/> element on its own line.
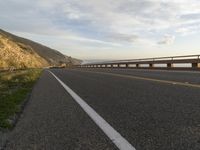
<point x="114" y="136"/>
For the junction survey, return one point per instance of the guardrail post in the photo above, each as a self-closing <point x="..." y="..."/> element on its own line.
<point x="137" y="65"/>
<point x="151" y="65"/>
<point x="195" y="65"/>
<point x="126" y="65"/>
<point x="169" y="65"/>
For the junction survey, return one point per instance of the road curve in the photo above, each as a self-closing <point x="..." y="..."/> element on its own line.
<point x="150" y="115"/>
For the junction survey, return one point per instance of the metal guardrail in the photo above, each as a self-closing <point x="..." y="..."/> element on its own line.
<point x="194" y="60"/>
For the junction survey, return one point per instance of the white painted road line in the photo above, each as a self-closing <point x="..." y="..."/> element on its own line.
<point x="114" y="136"/>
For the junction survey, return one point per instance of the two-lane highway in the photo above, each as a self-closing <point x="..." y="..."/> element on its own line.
<point x="149" y="114"/>
<point x="152" y="110"/>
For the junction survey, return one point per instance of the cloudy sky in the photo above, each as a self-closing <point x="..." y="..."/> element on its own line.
<point x="107" y="29"/>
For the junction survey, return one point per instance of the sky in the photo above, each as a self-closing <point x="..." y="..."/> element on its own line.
<point x="107" y="29"/>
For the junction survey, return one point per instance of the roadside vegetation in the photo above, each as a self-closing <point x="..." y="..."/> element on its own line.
<point x="14" y="88"/>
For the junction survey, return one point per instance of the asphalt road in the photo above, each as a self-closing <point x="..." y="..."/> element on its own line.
<point x="147" y="111"/>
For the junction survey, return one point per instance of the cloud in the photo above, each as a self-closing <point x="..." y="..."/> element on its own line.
<point x="167" y="40"/>
<point x="103" y="23"/>
<point x="192" y="28"/>
<point x="101" y="16"/>
<point x="119" y="37"/>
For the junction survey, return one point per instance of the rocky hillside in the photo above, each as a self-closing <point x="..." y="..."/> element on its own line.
<point x="23" y="53"/>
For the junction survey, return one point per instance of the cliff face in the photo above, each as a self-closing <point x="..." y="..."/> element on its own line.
<point x="18" y="55"/>
<point x="23" y="53"/>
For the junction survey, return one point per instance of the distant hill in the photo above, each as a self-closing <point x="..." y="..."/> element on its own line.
<point x="19" y="52"/>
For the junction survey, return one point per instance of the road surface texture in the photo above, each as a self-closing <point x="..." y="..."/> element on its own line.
<point x="153" y="110"/>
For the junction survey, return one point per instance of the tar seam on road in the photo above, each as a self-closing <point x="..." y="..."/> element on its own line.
<point x="143" y="78"/>
<point x="114" y="136"/>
